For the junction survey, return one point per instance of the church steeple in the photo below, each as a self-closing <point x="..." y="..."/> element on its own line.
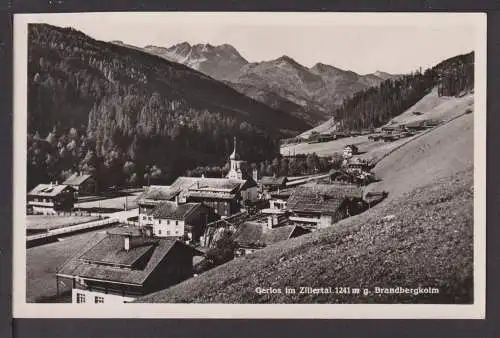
<point x="234" y="155"/>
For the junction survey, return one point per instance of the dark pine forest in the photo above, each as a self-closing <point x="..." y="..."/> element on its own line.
<point x="374" y="107"/>
<point x="130" y="118"/>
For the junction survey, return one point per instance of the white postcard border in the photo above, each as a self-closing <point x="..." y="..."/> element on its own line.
<point x="21" y="309"/>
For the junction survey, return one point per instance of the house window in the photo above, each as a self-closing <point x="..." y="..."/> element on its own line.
<point x="159" y="232"/>
<point x="168" y="222"/>
<point x="168" y="233"/>
<point x="99" y="299"/>
<point x="176" y="222"/>
<point x="80" y="298"/>
<point x="144" y="217"/>
<point x="159" y="221"/>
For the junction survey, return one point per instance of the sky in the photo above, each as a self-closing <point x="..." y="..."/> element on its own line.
<point x="364" y="43"/>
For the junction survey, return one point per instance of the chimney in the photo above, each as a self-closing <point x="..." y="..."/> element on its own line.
<point x="126" y="243"/>
<point x="270" y="222"/>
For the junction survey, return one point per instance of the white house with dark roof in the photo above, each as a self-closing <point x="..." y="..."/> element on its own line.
<point x="50" y="198"/>
<point x="114" y="268"/>
<point x="174" y="220"/>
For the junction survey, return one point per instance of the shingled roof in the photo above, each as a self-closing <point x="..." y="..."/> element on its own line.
<point x="322" y="198"/>
<point x="105" y="258"/>
<point x="76" y="179"/>
<point x="183" y="186"/>
<point x="254" y="234"/>
<point x="172" y="210"/>
<point x="49" y="190"/>
<point x="271" y="180"/>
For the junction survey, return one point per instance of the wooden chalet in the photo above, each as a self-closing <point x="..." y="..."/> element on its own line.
<point x="321" y="205"/>
<point x="115" y="268"/>
<point x="272" y="183"/>
<point x="51" y="198"/>
<point x="350" y="150"/>
<point x="83" y="184"/>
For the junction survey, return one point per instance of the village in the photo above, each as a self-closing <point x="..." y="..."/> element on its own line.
<point x="149" y="238"/>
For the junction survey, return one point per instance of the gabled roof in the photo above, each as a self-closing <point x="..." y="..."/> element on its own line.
<point x="76" y="179"/>
<point x="255" y="234"/>
<point x="49" y="190"/>
<point x="210" y="195"/>
<point x="183" y="185"/>
<point x="271" y="180"/>
<point x="322" y="198"/>
<point x="105" y="258"/>
<point x="172" y="210"/>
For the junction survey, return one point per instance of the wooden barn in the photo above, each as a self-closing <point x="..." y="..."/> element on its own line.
<point x="321" y="205"/>
<point x="83" y="184"/>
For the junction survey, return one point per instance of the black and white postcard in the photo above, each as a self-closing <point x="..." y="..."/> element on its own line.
<point x="249" y="165"/>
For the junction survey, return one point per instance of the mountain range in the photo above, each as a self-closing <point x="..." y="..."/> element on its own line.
<point x="129" y="105"/>
<point x="310" y="94"/>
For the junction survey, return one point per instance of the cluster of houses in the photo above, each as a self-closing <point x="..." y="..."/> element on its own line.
<point x="177" y="223"/>
<point x="395" y="132"/>
<point x="51" y="198"/>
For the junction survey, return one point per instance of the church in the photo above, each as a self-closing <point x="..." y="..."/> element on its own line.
<point x="226" y="196"/>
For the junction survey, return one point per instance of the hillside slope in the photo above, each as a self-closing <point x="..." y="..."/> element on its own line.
<point x="375" y="106"/>
<point x="426" y="242"/>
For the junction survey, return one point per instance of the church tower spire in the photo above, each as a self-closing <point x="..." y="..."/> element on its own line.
<point x="234" y="155"/>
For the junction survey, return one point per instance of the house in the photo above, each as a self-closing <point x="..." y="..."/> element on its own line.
<point x="83" y="184"/>
<point x="358" y="166"/>
<point x="48" y="199"/>
<point x="251" y="236"/>
<point x="272" y="183"/>
<point x="321" y="205"/>
<point x="174" y="220"/>
<point x="350" y="150"/>
<point x="114" y="268"/>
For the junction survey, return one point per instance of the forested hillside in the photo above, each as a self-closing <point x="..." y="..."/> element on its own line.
<point x="127" y="116"/>
<point x="376" y="106"/>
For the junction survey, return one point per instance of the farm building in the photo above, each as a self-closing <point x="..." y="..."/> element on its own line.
<point x="50" y="198"/>
<point x="116" y="268"/>
<point x="174" y="220"/>
<point x="375" y="136"/>
<point x="83" y="184"/>
<point x="321" y="205"/>
<point x="350" y="150"/>
<point x="272" y="183"/>
<point x="251" y="236"/>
